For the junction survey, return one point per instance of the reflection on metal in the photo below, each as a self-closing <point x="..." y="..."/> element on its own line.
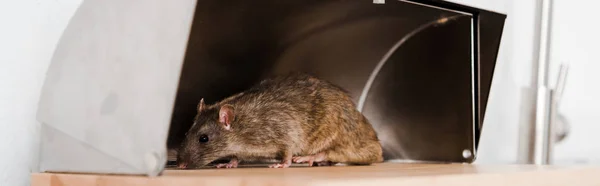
<point x="467" y="154"/>
<point x="384" y="59"/>
<point x="436" y="7"/>
<point x="378" y="1"/>
<point x="475" y="84"/>
<point x="420" y="100"/>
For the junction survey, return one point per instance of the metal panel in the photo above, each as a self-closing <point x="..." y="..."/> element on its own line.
<point x="109" y="92"/>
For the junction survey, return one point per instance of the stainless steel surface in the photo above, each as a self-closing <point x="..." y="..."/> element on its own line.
<point x="553" y="127"/>
<point x="528" y="108"/>
<point x="109" y="91"/>
<point x="536" y="135"/>
<point x="543" y="129"/>
<point x="545" y="38"/>
<point x="392" y="50"/>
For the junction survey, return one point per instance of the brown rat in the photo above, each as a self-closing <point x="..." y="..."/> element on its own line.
<point x="294" y="117"/>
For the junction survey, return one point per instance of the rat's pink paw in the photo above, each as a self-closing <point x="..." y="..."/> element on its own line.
<point x="279" y="165"/>
<point x="231" y="164"/>
<point x="226" y="165"/>
<point x="325" y="163"/>
<point x="304" y="159"/>
<point x="284" y="164"/>
<point x="320" y="157"/>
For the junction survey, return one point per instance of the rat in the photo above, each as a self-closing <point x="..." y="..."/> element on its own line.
<point x="294" y="117"/>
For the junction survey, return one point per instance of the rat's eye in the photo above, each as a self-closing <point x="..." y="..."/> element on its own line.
<point x="203" y="138"/>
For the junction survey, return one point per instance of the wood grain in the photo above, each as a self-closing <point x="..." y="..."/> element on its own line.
<point x="379" y="174"/>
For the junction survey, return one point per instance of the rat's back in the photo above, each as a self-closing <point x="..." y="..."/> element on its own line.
<point x="309" y="116"/>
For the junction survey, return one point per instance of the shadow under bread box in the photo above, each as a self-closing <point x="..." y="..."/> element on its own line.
<point x="127" y="76"/>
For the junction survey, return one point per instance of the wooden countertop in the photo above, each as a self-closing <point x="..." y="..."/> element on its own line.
<point x="378" y="174"/>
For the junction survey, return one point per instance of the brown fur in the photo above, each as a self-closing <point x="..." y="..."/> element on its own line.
<point x="281" y="117"/>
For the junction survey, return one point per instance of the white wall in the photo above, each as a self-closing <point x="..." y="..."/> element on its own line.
<point x="29" y="31"/>
<point x="576" y="40"/>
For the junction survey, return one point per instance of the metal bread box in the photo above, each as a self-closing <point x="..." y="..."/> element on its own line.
<point x="127" y="75"/>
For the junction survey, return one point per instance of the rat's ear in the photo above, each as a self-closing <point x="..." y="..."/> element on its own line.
<point x="226" y="115"/>
<point x="201" y="105"/>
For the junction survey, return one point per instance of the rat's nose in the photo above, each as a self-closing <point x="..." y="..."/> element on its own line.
<point x="182" y="165"/>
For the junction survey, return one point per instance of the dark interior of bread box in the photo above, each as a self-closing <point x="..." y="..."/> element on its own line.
<point x="412" y="69"/>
